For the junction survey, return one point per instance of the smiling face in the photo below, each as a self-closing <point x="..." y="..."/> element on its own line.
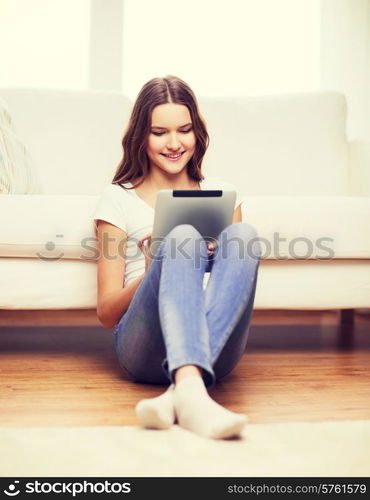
<point x="171" y="142"/>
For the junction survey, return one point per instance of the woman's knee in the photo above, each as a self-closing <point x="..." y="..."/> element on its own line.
<point x="176" y="235"/>
<point x="243" y="237"/>
<point x="185" y="240"/>
<point x="184" y="231"/>
<point x="242" y="230"/>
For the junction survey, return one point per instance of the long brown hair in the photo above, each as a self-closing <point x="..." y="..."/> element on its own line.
<point x="135" y="164"/>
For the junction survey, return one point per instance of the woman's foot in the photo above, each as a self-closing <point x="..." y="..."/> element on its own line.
<point x="159" y="412"/>
<point x="196" y="411"/>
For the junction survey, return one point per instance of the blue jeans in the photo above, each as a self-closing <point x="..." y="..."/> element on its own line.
<point x="172" y="321"/>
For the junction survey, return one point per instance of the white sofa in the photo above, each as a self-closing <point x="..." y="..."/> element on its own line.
<point x="288" y="155"/>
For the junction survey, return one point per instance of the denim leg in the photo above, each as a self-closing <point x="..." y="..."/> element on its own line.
<point x="229" y="296"/>
<point x="234" y="348"/>
<point x="172" y="322"/>
<point x="181" y="302"/>
<point x="165" y="325"/>
<point x="138" y="336"/>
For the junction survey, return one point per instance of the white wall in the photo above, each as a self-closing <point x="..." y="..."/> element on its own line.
<point x="105" y="48"/>
<point x="345" y="59"/>
<point x="44" y="43"/>
<point x="223" y="47"/>
<point x="251" y="48"/>
<point x="244" y="50"/>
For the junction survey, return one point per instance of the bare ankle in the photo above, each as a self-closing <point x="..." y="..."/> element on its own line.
<point x="187" y="371"/>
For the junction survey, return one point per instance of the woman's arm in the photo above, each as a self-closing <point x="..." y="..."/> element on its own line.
<point x="237" y="214"/>
<point x="113" y="298"/>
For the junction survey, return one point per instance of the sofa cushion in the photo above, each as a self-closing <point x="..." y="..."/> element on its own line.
<point x="47" y="227"/>
<point x="310" y="227"/>
<point x="61" y="227"/>
<point x="17" y="173"/>
<point x="292" y="144"/>
<point x="40" y="284"/>
<point x="313" y="284"/>
<point x="74" y="137"/>
<point x="72" y="284"/>
<point x="279" y="145"/>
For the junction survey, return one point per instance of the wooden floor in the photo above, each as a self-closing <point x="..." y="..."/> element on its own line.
<point x="299" y="366"/>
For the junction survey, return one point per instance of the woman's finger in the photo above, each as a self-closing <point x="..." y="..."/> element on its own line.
<point x="147" y="237"/>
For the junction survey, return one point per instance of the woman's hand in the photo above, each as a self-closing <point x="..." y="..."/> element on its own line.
<point x="144" y="245"/>
<point x="211" y="247"/>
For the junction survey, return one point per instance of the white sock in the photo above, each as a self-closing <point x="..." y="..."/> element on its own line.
<point x="158" y="412"/>
<point x="196" y="411"/>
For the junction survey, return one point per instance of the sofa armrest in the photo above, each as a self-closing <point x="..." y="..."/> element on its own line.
<point x="359" y="168"/>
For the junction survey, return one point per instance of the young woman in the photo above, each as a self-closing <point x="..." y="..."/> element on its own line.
<point x="170" y="326"/>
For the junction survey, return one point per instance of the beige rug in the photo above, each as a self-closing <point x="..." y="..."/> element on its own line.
<point x="294" y="449"/>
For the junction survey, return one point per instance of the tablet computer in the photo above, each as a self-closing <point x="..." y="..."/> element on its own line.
<point x="209" y="211"/>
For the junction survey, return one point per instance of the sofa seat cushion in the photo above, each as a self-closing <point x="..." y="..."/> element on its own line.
<point x="285" y="145"/>
<point x="268" y="145"/>
<point x="17" y="172"/>
<point x="313" y="284"/>
<point x="41" y="284"/>
<point x="310" y="227"/>
<point x="47" y="227"/>
<point x="74" y="137"/>
<point x="50" y="227"/>
<point x="72" y="284"/>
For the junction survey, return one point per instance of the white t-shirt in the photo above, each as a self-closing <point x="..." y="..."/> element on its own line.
<point x="126" y="210"/>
